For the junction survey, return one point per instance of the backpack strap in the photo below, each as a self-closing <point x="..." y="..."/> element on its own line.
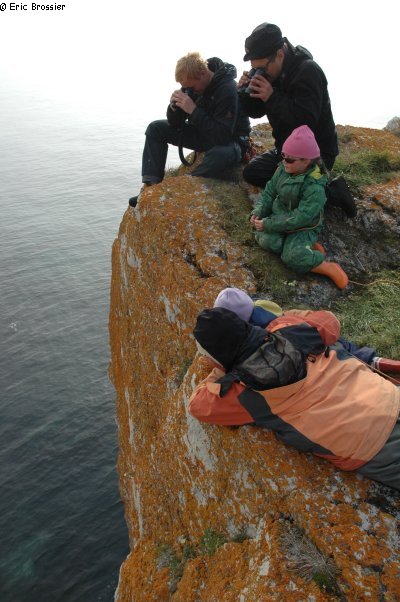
<point x="183" y="159"/>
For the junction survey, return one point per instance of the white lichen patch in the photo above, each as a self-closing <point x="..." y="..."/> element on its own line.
<point x="124" y="275"/>
<point x="365" y="520"/>
<point x="138" y="508"/>
<point x="242" y="476"/>
<point x="259" y="530"/>
<point x="201" y="498"/>
<point x="243" y="595"/>
<point x="133" y="260"/>
<point x="198" y="444"/>
<point x="171" y="310"/>
<point x="131" y="431"/>
<point x="291" y="484"/>
<point x="272" y="484"/>
<point x="393" y="537"/>
<point x="130" y="419"/>
<point x="123" y="242"/>
<point x="264" y="568"/>
<point x="360" y="554"/>
<point x="251" y="531"/>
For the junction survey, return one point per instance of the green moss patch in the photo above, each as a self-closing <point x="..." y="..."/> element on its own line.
<point x="365" y="166"/>
<point x="211" y="541"/>
<point x="371" y="315"/>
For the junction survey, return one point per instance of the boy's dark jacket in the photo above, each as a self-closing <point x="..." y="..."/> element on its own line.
<point x="218" y="117"/>
<point x="300" y="97"/>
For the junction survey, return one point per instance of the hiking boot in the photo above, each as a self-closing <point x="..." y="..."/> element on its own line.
<point x="386" y="365"/>
<point x="334" y="272"/>
<point x="318" y="247"/>
<point x="134" y="199"/>
<point x="338" y="194"/>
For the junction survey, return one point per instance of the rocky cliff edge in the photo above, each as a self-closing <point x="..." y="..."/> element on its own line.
<point x="213" y="513"/>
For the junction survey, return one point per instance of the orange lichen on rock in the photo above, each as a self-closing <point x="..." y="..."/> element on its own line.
<point x="358" y="138"/>
<point x="206" y="506"/>
<point x="385" y="195"/>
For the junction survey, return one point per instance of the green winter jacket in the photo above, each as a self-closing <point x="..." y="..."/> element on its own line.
<point x="291" y="203"/>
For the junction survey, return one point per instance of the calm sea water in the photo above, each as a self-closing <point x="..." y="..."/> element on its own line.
<point x="64" y="185"/>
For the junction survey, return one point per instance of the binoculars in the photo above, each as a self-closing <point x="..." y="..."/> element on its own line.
<point x="247" y="89"/>
<point x="188" y="91"/>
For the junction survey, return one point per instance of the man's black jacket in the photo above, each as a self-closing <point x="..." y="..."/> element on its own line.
<point x="217" y="118"/>
<point x="300" y="97"/>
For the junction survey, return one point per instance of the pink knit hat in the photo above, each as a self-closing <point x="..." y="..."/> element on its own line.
<point x="301" y="144"/>
<point x="237" y="301"/>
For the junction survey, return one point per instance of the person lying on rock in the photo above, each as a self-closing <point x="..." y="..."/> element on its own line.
<point x="298" y="381"/>
<point x="262" y="312"/>
<point x="203" y="115"/>
<point x="288" y="216"/>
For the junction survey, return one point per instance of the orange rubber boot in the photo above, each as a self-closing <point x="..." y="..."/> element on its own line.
<point x="333" y="271"/>
<point x="318" y="247"/>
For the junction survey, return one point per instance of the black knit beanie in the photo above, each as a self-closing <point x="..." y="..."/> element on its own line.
<point x="221" y="333"/>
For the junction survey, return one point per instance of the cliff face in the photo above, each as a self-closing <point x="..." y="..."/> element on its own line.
<point x="220" y="514"/>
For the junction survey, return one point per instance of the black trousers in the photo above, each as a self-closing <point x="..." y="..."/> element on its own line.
<point x="261" y="169"/>
<point x="160" y="133"/>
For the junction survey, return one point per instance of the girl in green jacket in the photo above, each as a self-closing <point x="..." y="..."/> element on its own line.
<point x="288" y="216"/>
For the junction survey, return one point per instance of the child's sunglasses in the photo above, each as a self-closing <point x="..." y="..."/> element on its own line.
<point x="289" y="159"/>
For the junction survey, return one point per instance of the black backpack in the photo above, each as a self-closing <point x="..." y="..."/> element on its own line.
<point x="275" y="364"/>
<point x="279" y="361"/>
<point x="339" y="194"/>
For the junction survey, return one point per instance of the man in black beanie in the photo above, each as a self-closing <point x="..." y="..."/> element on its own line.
<point x="291" y="90"/>
<point x="225" y="337"/>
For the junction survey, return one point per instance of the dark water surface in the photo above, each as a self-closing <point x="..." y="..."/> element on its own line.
<point x="64" y="184"/>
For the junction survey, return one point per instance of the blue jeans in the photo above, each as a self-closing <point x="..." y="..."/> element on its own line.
<point x="365" y="354"/>
<point x="160" y="133"/>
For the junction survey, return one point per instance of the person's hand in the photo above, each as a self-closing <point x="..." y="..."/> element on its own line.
<point x="183" y="101"/>
<point x="207" y="363"/>
<point x="244" y="80"/>
<point x="252" y="220"/>
<point x="260" y="88"/>
<point x="259" y="224"/>
<point x="172" y="101"/>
